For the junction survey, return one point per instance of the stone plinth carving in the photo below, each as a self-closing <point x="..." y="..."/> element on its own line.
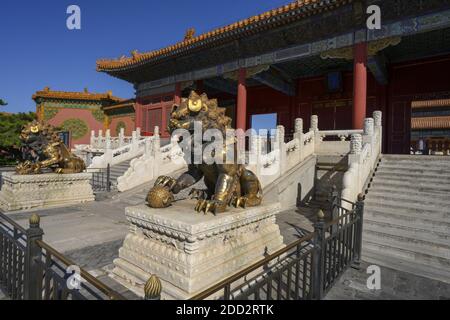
<point x="189" y="251"/>
<point x="22" y="192"/>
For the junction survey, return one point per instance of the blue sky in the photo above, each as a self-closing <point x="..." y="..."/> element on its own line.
<point x="37" y="49"/>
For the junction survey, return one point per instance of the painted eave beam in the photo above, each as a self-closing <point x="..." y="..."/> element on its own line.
<point x="221" y="85"/>
<point x="377" y="66"/>
<point x="269" y="79"/>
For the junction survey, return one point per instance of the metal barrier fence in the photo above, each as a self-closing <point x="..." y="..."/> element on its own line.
<point x="101" y="179"/>
<point x="30" y="269"/>
<point x="305" y="269"/>
<point x="13" y="250"/>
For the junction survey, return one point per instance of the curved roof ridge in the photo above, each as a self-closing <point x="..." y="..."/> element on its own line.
<point x="85" y="95"/>
<point x="242" y="25"/>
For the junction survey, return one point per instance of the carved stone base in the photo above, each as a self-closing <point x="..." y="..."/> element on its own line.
<point x="191" y="251"/>
<point x="23" y="192"/>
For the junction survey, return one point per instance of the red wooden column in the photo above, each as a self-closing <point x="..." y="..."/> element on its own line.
<point x="359" y="85"/>
<point x="138" y="113"/>
<point x="177" y="95"/>
<point x="241" y="112"/>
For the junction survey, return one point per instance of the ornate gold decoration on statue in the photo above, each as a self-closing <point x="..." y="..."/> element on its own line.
<point x="160" y="197"/>
<point x="152" y="288"/>
<point x="228" y="184"/>
<point x="195" y="104"/>
<point x="44" y="149"/>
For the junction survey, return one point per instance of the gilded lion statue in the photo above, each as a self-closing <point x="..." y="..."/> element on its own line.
<point x="44" y="149"/>
<point x="227" y="184"/>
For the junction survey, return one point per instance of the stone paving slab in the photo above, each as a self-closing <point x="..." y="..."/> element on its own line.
<point x="395" y="285"/>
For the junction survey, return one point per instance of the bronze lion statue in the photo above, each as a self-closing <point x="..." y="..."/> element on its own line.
<point x="44" y="149"/>
<point x="227" y="184"/>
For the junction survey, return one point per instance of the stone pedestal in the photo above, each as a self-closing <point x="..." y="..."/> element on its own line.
<point x="23" y="192"/>
<point x="191" y="251"/>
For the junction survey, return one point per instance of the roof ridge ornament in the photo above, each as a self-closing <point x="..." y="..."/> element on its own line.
<point x="190" y="34"/>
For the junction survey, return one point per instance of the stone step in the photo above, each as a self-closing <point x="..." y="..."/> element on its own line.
<point x="411" y="266"/>
<point x="431" y="185"/>
<point x="394" y="192"/>
<point x="374" y="195"/>
<point x="438" y="166"/>
<point x="419" y="232"/>
<point x="115" y="172"/>
<point x="407" y="218"/>
<point x="435" y="211"/>
<point x="406" y="157"/>
<point x="120" y="168"/>
<point x="438" y="160"/>
<point x="414" y="257"/>
<point x="398" y="242"/>
<point x="414" y="172"/>
<point x="415" y="159"/>
<point x="412" y="178"/>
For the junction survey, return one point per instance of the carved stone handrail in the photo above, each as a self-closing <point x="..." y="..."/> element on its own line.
<point x="364" y="148"/>
<point x="129" y="148"/>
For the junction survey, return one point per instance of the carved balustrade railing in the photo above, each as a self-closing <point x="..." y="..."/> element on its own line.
<point x="365" y="151"/>
<point x="431" y="146"/>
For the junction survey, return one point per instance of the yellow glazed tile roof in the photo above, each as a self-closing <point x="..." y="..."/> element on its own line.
<point x="311" y="7"/>
<point x="431" y="122"/>
<point x="431" y="103"/>
<point x="47" y="93"/>
<point x="124" y="103"/>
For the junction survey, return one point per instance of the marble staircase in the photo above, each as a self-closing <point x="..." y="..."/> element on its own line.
<point x="407" y="216"/>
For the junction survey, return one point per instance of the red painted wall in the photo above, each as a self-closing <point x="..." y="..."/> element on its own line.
<point x="129" y="125"/>
<point x="310" y="93"/>
<point x="418" y="80"/>
<point x="82" y="114"/>
<point x="267" y="100"/>
<point x="426" y="79"/>
<point x="313" y="92"/>
<point x="153" y="111"/>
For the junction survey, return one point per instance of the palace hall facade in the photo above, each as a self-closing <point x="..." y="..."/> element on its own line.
<point x="311" y="57"/>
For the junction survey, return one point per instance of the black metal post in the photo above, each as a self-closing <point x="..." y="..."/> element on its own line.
<point x="334" y="195"/>
<point x="108" y="177"/>
<point x="359" y="209"/>
<point x="318" y="263"/>
<point x="299" y="195"/>
<point x="33" y="254"/>
<point x="269" y="142"/>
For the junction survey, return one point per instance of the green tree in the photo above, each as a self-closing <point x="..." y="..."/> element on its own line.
<point x="10" y="128"/>
<point x="3" y="103"/>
